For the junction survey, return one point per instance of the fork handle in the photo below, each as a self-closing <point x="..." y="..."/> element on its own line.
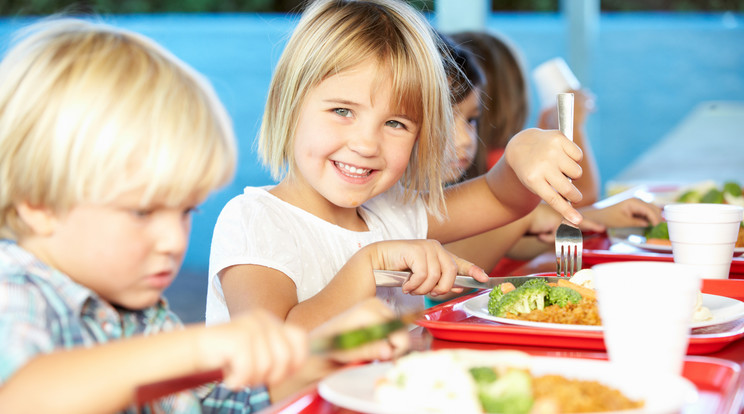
<point x="566" y="114"/>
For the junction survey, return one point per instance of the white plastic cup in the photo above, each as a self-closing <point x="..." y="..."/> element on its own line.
<point x="646" y="309"/>
<point x="551" y="78"/>
<point x="704" y="235"/>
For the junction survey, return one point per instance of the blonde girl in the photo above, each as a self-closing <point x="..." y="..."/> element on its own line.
<point x="357" y="129"/>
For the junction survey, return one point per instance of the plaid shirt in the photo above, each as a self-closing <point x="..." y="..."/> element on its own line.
<point x="43" y="310"/>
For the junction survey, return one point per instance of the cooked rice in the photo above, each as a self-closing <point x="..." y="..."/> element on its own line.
<point x="585" y="312"/>
<point x="578" y="396"/>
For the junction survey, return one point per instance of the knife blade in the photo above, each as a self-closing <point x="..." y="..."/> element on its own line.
<point x="394" y="278"/>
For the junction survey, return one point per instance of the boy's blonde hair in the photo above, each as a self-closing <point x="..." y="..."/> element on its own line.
<point x="335" y="35"/>
<point x="88" y="112"/>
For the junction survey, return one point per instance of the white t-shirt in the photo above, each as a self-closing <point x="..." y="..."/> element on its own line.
<point x="258" y="228"/>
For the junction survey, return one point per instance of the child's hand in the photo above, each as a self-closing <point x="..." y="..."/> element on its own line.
<point x="632" y="212"/>
<point x="433" y="268"/>
<point x="254" y="348"/>
<point x="368" y="312"/>
<point x="544" y="221"/>
<point x="544" y="160"/>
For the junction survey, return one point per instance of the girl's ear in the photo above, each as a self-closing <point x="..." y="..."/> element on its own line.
<point x="41" y="220"/>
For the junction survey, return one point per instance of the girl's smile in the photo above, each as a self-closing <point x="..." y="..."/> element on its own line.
<point x="351" y="144"/>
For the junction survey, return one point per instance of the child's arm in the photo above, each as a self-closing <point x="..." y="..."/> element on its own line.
<point x="253" y="349"/>
<point x="434" y="269"/>
<point x="537" y="164"/>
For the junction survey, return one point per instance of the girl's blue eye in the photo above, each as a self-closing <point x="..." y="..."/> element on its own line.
<point x="342" y="111"/>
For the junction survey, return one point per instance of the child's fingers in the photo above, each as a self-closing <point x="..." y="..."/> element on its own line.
<point x="465" y="267"/>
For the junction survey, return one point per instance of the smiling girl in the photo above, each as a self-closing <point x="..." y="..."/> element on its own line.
<point x="357" y="129"/>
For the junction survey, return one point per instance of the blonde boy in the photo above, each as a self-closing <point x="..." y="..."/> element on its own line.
<point x="107" y="145"/>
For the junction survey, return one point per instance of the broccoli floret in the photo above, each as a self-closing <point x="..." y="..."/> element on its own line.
<point x="732" y="188"/>
<point x="511" y="393"/>
<point x="531" y="295"/>
<point x="483" y="375"/>
<point x="659" y="231"/>
<point x="562" y="296"/>
<point x="692" y="196"/>
<point x="496" y="294"/>
<point x="535" y="282"/>
<point x="713" y="195"/>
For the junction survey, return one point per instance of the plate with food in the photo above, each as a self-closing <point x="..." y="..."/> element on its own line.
<point x="656" y="238"/>
<point x="570" y="304"/>
<point x="477" y="381"/>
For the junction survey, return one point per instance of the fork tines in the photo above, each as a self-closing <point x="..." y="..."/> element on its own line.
<point x="568" y="249"/>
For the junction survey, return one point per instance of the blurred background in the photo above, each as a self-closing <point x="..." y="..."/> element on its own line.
<point x="649" y="63"/>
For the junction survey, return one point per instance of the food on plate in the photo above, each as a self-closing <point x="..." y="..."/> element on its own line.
<point x="709" y="192"/>
<point x="701" y="313"/>
<point x="584" y="277"/>
<point x="539" y="301"/>
<point x="470" y="381"/>
<point x="569" y="301"/>
<point x="658" y="234"/>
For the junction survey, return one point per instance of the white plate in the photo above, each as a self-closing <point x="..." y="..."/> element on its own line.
<point x="353" y="388"/>
<point x="723" y="309"/>
<point x="634" y="237"/>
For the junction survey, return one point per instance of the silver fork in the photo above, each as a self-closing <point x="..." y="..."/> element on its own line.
<point x="568" y="240"/>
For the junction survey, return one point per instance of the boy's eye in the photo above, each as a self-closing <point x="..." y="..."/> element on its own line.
<point x="190" y="211"/>
<point x="142" y="213"/>
<point x="342" y="112"/>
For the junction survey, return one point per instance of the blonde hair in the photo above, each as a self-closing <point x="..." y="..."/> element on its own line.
<point x="335" y="35"/>
<point x="88" y="112"/>
<point x="505" y="97"/>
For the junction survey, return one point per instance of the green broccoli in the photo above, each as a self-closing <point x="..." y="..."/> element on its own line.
<point x="691" y="196"/>
<point x="561" y="296"/>
<point x="659" y="231"/>
<point x="510" y="393"/>
<point x="496" y="294"/>
<point x="483" y="375"/>
<point x="732" y="188"/>
<point x="713" y="195"/>
<point x="527" y="297"/>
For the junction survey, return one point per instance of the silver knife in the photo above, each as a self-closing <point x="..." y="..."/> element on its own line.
<point x="393" y="278"/>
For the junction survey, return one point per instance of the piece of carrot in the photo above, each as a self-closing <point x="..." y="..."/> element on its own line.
<point x="585" y="292"/>
<point x="506" y="287"/>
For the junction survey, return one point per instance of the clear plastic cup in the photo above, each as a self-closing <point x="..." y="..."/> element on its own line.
<point x="704" y="235"/>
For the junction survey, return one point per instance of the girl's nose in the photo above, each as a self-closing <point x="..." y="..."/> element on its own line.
<point x="366" y="141"/>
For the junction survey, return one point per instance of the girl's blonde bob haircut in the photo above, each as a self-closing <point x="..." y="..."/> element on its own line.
<point x="88" y="112"/>
<point x="335" y="35"/>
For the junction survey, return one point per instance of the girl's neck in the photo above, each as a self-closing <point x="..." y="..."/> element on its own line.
<point x="315" y="204"/>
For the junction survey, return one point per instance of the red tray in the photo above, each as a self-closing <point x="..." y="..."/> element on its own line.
<point x="448" y="321"/>
<point x="719" y="383"/>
